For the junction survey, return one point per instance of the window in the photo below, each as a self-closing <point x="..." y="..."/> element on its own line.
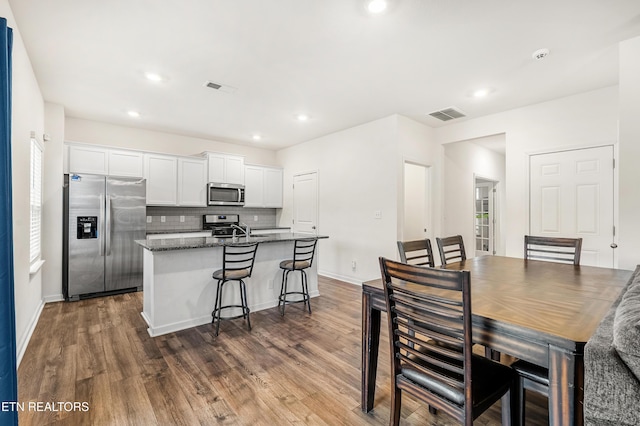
<point x="36" y="200"/>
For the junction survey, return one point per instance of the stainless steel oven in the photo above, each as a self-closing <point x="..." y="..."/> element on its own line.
<point x="225" y="194"/>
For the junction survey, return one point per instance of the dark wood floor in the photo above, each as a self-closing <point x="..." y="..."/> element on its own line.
<point x="296" y="369"/>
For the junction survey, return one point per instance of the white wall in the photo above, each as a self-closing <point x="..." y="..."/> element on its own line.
<point x="416" y="144"/>
<point x="360" y="171"/>
<point x="94" y="132"/>
<point x="629" y="159"/>
<point x="586" y="119"/>
<point x="463" y="162"/>
<point x="52" y="203"/>
<point x="27" y="116"/>
<point x="356" y="176"/>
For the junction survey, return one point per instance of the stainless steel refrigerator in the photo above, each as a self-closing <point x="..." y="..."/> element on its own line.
<point x="103" y="218"/>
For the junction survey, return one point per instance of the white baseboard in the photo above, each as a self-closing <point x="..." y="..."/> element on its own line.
<point x="350" y="280"/>
<point x="183" y="325"/>
<point x="54" y="298"/>
<point x="24" y="341"/>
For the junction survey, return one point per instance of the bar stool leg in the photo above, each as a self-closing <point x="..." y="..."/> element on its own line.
<point x="305" y="290"/>
<point x="283" y="293"/>
<point x="245" y="305"/>
<point x="219" y="306"/>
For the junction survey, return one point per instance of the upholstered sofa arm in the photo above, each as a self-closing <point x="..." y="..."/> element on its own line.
<point x="611" y="390"/>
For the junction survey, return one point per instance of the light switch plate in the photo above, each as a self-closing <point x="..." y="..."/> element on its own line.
<point x="163" y="219"/>
<point x="181" y="218"/>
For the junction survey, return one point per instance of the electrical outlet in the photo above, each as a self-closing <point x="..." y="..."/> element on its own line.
<point x="163" y="219"/>
<point x="255" y="218"/>
<point x="181" y="218"/>
<point x="353" y="265"/>
<point x="377" y="214"/>
<point x="149" y="219"/>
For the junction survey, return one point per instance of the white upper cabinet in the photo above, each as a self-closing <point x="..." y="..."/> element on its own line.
<point x="253" y="186"/>
<point x="105" y="161"/>
<point x="226" y="168"/>
<point x="192" y="182"/>
<point x="126" y="163"/>
<point x="272" y="187"/>
<point x="88" y="159"/>
<point x="161" y="172"/>
<point x="263" y="187"/>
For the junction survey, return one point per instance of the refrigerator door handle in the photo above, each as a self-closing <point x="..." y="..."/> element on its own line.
<point x="101" y="225"/>
<point x="108" y="225"/>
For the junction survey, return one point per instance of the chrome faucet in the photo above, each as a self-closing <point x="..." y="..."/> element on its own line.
<point x="245" y="231"/>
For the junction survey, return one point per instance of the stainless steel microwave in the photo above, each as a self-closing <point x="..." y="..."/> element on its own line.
<point x="225" y="194"/>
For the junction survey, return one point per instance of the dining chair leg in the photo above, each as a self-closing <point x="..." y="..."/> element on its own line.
<point x="396" y="402"/>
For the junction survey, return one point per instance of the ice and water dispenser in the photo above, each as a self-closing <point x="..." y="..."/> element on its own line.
<point x="87" y="227"/>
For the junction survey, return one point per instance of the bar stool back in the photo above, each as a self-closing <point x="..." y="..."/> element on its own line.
<point x="237" y="264"/>
<point x="303" y="253"/>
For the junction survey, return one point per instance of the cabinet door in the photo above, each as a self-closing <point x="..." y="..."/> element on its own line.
<point x="88" y="160"/>
<point x="161" y="172"/>
<point x="216" y="168"/>
<point x="126" y="163"/>
<point x="253" y="186"/>
<point x="234" y="170"/>
<point x="273" y="188"/>
<point x="192" y="182"/>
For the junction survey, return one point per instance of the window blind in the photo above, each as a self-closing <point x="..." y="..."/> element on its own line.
<point x="36" y="200"/>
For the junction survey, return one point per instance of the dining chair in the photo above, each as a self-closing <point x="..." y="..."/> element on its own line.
<point x="429" y="319"/>
<point x="237" y="264"/>
<point x="553" y="249"/>
<point x="303" y="252"/>
<point x="532" y="377"/>
<point x="416" y="252"/>
<point x="451" y="249"/>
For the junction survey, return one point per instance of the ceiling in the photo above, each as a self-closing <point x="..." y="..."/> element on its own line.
<point x="327" y="58"/>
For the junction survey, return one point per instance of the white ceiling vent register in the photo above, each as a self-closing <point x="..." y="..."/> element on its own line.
<point x="220" y="87"/>
<point x="447" y="114"/>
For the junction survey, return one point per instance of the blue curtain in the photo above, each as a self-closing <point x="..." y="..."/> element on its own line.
<point x="8" y="373"/>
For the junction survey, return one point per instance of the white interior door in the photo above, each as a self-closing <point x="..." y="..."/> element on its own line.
<point x="416" y="202"/>
<point x="572" y="196"/>
<point x="305" y="203"/>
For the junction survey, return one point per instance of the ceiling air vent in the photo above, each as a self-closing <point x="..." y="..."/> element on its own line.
<point x="447" y="114"/>
<point x="220" y="87"/>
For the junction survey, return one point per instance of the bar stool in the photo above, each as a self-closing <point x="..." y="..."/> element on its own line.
<point x="303" y="251"/>
<point x="237" y="264"/>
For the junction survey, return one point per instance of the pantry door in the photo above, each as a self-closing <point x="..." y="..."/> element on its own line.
<point x="572" y="195"/>
<point x="305" y="203"/>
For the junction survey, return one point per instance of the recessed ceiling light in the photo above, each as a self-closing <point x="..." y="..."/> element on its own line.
<point x="256" y="137"/>
<point x="303" y="117"/>
<point x="151" y="76"/>
<point x="133" y="114"/>
<point x="480" y="93"/>
<point x="376" y="6"/>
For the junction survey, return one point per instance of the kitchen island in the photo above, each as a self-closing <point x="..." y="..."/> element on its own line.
<point x="179" y="291"/>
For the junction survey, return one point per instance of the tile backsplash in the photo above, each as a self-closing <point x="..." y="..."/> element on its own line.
<point x="193" y="217"/>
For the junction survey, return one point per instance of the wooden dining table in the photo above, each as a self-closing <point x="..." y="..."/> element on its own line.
<point x="541" y="312"/>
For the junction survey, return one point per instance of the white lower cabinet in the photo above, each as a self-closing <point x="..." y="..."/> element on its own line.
<point x="192" y="182"/>
<point x="161" y="172"/>
<point x="263" y="187"/>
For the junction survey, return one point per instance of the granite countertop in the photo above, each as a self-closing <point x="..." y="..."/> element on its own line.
<point x="166" y="244"/>
<point x="265" y="228"/>
<point x="177" y="231"/>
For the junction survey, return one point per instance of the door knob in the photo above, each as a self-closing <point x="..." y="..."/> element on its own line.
<point x="613" y="245"/>
<point x="313" y="227"/>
